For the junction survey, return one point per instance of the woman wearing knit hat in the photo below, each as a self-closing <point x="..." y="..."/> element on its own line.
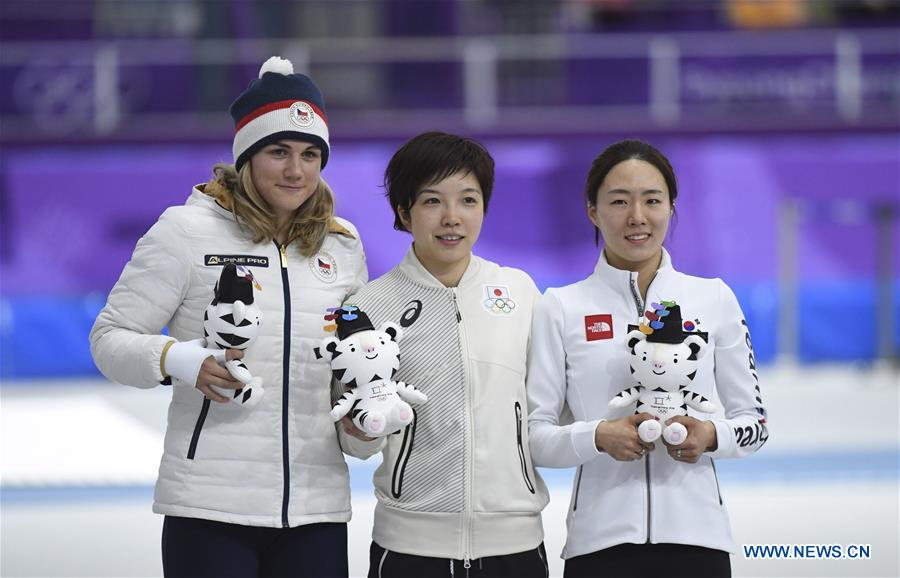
<point x="641" y="506"/>
<point x="257" y="490"/>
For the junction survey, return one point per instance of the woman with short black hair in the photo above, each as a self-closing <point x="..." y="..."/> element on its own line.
<point x="457" y="493"/>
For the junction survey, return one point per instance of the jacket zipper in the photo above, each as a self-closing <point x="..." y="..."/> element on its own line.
<point x="638" y="302"/>
<point x="577" y="488"/>
<point x="716" y="476"/>
<point x="521" y="448"/>
<point x="647" y="476"/>
<point x="286" y="364"/>
<point x="637" y="296"/>
<point x="456" y="307"/>
<point x="469" y="467"/>
<point x="192" y="449"/>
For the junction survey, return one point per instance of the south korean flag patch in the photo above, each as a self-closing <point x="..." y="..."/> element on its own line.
<point x="498" y="301"/>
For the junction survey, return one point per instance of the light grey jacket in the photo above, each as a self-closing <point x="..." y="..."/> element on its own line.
<point x="459" y="482"/>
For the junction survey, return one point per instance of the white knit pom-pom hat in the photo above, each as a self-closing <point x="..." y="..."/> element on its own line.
<point x="280" y="104"/>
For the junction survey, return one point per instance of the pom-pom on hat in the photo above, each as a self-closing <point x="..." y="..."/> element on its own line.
<point x="280" y="104"/>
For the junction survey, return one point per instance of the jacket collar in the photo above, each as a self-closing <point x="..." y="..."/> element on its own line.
<point x="218" y="201"/>
<point x="620" y="278"/>
<point x="413" y="268"/>
<point x="200" y="196"/>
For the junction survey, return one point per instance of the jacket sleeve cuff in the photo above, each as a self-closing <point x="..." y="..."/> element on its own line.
<point x="159" y="349"/>
<point x="358" y="448"/>
<point x="724" y="440"/>
<point x="162" y="361"/>
<point x="583" y="439"/>
<point x="184" y="359"/>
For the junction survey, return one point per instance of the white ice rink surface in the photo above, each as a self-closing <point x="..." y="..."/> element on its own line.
<point x="78" y="458"/>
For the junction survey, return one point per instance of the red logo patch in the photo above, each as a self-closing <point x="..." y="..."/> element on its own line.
<point x="598" y="327"/>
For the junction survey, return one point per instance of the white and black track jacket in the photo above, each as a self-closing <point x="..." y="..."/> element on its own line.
<point x="458" y="482"/>
<point x="579" y="358"/>
<point x="278" y="464"/>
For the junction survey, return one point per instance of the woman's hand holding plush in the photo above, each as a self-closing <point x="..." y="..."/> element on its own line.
<point x="619" y="438"/>
<point x="701" y="437"/>
<point x="193" y="364"/>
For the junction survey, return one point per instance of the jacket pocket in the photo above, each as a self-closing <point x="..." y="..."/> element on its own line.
<point x="521" y="448"/>
<point x="577" y="487"/>
<point x="198" y="427"/>
<point x="406" y="446"/>
<point x="716" y="476"/>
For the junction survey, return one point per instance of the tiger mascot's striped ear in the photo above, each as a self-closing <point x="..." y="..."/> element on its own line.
<point x="633" y="338"/>
<point x="328" y="344"/>
<point x="697" y="345"/>
<point x="392" y="329"/>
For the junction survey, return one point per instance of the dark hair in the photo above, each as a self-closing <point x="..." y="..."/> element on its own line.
<point x="626" y="150"/>
<point x="430" y="158"/>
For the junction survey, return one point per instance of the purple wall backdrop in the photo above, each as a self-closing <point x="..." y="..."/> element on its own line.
<point x="70" y="218"/>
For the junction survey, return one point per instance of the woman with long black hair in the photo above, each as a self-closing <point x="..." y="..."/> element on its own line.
<point x="639" y="508"/>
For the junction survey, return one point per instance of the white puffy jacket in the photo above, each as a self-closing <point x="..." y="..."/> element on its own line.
<point x="278" y="464"/>
<point x="655" y="499"/>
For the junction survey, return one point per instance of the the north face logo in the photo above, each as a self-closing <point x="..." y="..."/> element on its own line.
<point x="598" y="327"/>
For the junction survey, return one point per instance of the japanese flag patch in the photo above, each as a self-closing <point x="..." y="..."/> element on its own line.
<point x="498" y="301"/>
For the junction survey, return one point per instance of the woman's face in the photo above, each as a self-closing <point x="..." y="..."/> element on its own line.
<point x="445" y="221"/>
<point x="632" y="213"/>
<point x="286" y="174"/>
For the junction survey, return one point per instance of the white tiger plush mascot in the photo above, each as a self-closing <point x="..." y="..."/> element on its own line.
<point x="367" y="360"/>
<point x="664" y="362"/>
<point x="232" y="322"/>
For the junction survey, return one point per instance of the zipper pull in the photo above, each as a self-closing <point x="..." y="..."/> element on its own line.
<point x="283" y="251"/>
<point x="467" y="563"/>
<point x="458" y="316"/>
